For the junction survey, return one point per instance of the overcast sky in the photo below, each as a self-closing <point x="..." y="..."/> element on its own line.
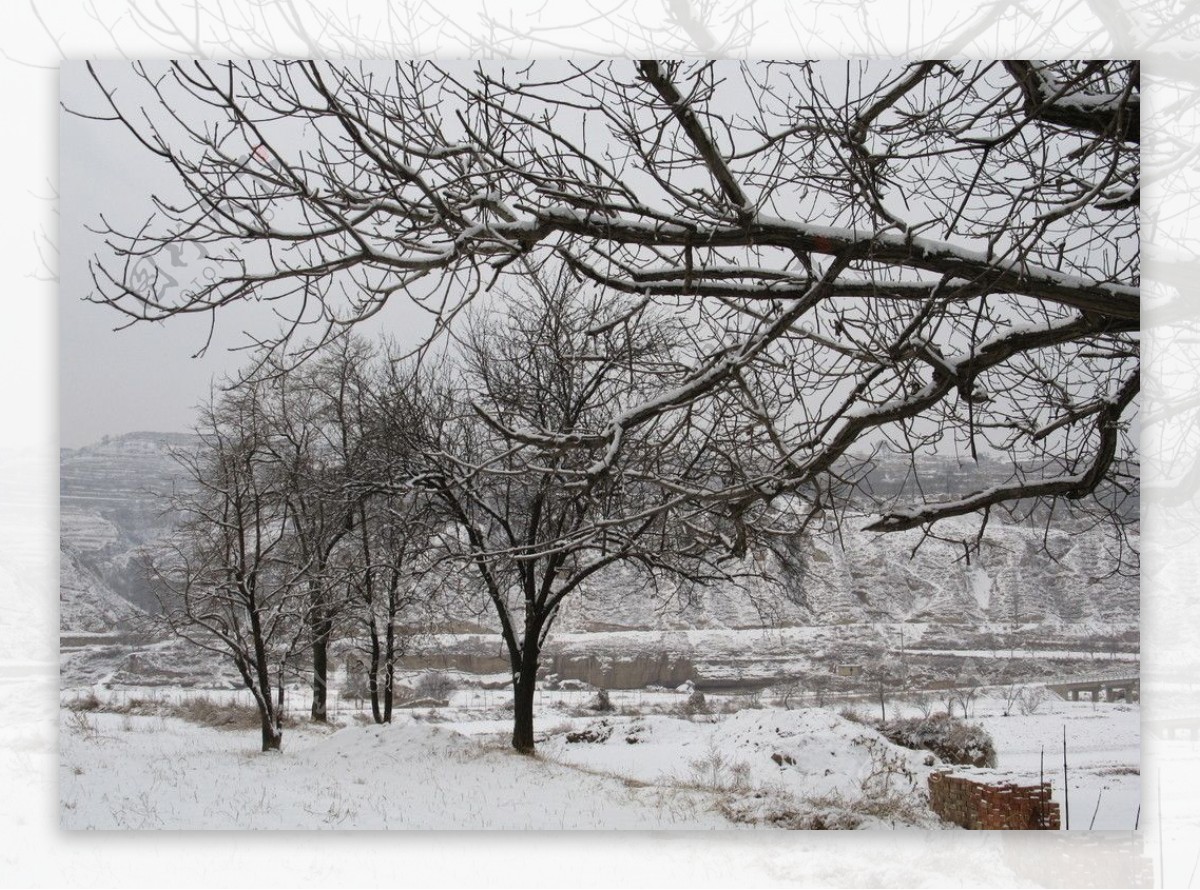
<point x="147" y="376"/>
<point x="143" y="377"/>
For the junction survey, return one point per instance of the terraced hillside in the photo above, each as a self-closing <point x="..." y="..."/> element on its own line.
<point x="112" y="506"/>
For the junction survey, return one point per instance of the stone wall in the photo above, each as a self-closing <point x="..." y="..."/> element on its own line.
<point x="1001" y="806"/>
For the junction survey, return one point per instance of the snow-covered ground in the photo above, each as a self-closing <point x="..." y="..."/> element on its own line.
<point x="1103" y="756"/>
<point x="649" y="765"/>
<point x="153" y="772"/>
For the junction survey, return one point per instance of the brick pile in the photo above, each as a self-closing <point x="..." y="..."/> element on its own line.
<point x="992" y="806"/>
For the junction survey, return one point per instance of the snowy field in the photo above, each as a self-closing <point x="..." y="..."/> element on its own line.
<point x="647" y="765"/>
<point x="150" y="772"/>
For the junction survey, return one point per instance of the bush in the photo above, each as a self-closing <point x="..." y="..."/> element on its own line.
<point x="1031" y="699"/>
<point x="696" y="704"/>
<point x="716" y="773"/>
<point x="854" y="716"/>
<point x="779" y="809"/>
<point x="435" y="684"/>
<point x="88" y="701"/>
<point x="83" y="725"/>
<point x="953" y="740"/>
<point x="602" y="704"/>
<point x="596" y="733"/>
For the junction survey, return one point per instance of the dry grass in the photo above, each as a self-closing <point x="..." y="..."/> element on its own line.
<point x="1119" y="771"/>
<point x="86" y="701"/>
<point x="205" y="711"/>
<point x="827" y="812"/>
<point x="202" y="710"/>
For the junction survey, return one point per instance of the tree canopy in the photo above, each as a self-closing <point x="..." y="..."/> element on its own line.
<point x="932" y="257"/>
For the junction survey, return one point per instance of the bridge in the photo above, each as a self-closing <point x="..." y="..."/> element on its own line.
<point x="1115" y="685"/>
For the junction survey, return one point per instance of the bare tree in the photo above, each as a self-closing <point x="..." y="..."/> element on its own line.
<point x="883" y="679"/>
<point x="355" y="540"/>
<point x="308" y="427"/>
<point x="962" y="690"/>
<point x="387" y="554"/>
<point x="1011" y="692"/>
<point x="343" y="540"/>
<point x="536" y="517"/>
<point x="871" y="256"/>
<point x="385" y="560"/>
<point x="227" y="581"/>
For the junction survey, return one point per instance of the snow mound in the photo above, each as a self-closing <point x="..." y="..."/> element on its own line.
<point x="366" y="744"/>
<point x="772" y="765"/>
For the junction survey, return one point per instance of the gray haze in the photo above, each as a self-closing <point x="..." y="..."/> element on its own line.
<point x="143" y="377"/>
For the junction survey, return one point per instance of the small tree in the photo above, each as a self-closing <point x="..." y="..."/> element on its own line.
<point x="883" y="678"/>
<point x="923" y="701"/>
<point x="961" y="691"/>
<point x="535" y="513"/>
<point x="791" y="693"/>
<point x="227" y="583"/>
<point x="1010" y="694"/>
<point x="821" y="685"/>
<point x="382" y="567"/>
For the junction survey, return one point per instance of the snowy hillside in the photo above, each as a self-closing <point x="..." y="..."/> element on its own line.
<point x="130" y="762"/>
<point x="865" y="577"/>
<point x="86" y="603"/>
<point x="112" y="506"/>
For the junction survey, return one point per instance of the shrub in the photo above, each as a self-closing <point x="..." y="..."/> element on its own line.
<point x="88" y="701"/>
<point x="715" y="772"/>
<point x="81" y="723"/>
<point x="435" y="684"/>
<point x="594" y="734"/>
<point x="953" y="740"/>
<point x="1031" y="699"/>
<point x="696" y="704"/>
<point x="779" y="809"/>
<point x="602" y="703"/>
<point x="854" y="716"/>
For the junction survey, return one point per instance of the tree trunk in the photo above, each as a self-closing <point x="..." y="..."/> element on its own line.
<point x="373" y="675"/>
<point x="258" y="681"/>
<point x="272" y="736"/>
<point x="279" y="706"/>
<point x="322" y="628"/>
<point x="524" y="686"/>
<point x="389" y="672"/>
